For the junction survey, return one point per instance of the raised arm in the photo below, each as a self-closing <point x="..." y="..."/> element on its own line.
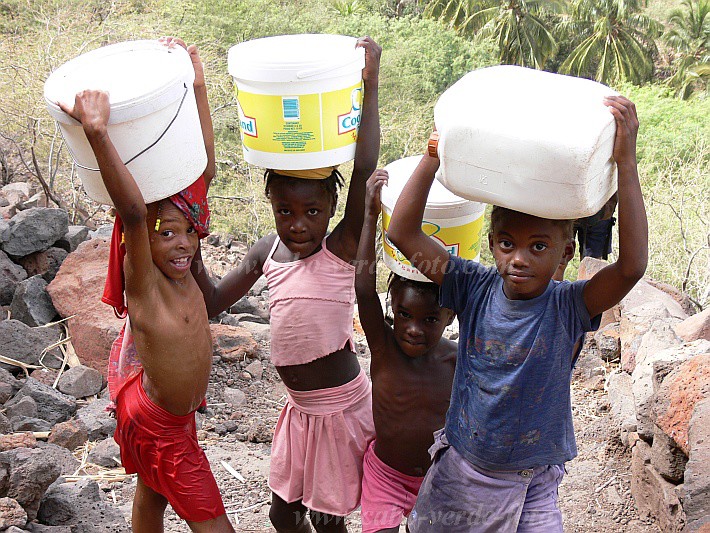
<point x="367" y="151"/>
<point x="92" y="109"/>
<point x="236" y="283"/>
<point x="203" y="105"/>
<point x="370" y="310"/>
<point x="405" y="228"/>
<point x="615" y="281"/>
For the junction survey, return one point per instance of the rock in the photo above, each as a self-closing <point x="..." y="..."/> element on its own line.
<point x="679" y="296"/>
<point x="25" y="406"/>
<point x="4" y="230"/>
<point x="52" y="405"/>
<point x="31" y="471"/>
<point x="676" y="398"/>
<point x="608" y="342"/>
<point x="35" y="229"/>
<point x="642" y="379"/>
<point x="97" y="420"/>
<point x="102" y="232"/>
<point x="25" y="344"/>
<point x="8" y="212"/>
<point x="31" y="304"/>
<point x="36" y="200"/>
<point x="259" y="286"/>
<point x="106" y="453"/>
<point x="34" y="527"/>
<point x="248" y="317"/>
<point x="260" y="432"/>
<point x="46" y="376"/>
<point x="81" y="381"/>
<point x="11" y="275"/>
<point x="654" y="495"/>
<point x="11" y="514"/>
<point x="17" y="440"/>
<point x="696" y="489"/>
<point x="6" y="392"/>
<point x="234" y="397"/>
<point x="26" y="423"/>
<point x="232" y="343"/>
<point x="74" y="237"/>
<point x="658" y="338"/>
<point x="70" y="434"/>
<point x="6" y="378"/>
<point x="621" y="400"/>
<point x="45" y="263"/>
<point x="5" y="424"/>
<point x="588" y="267"/>
<point x="76" y="290"/>
<point x="644" y="293"/>
<point x="82" y="506"/>
<point x="63" y="458"/>
<point x="255" y="369"/>
<point x="633" y="326"/>
<point x="23" y="188"/>
<point x="666" y="457"/>
<point x="260" y="332"/>
<point x="695" y="327"/>
<point x="250" y="305"/>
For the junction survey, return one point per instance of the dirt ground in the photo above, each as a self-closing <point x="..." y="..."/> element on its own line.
<point x="594" y="496"/>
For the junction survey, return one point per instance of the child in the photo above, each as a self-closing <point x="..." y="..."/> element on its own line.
<point x="324" y="429"/>
<point x="412" y="368"/>
<point x="165" y="355"/>
<point x="508" y="433"/>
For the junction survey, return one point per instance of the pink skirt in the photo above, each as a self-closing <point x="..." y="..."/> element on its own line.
<point x="319" y="444"/>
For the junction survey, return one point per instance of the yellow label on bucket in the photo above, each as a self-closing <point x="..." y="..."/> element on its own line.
<point x="463" y="241"/>
<point x="300" y="124"/>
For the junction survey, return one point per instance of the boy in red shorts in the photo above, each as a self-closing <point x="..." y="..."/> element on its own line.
<point x="163" y="357"/>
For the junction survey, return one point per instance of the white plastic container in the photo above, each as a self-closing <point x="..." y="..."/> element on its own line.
<point x="528" y="140"/>
<point x="453" y="222"/>
<point x="299" y="99"/>
<point x="152" y="107"/>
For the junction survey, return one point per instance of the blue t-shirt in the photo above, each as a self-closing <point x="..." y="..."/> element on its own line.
<point x="510" y="402"/>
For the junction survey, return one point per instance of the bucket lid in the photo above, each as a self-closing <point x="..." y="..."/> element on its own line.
<point x="295" y="58"/>
<point x="440" y="202"/>
<point x="141" y="77"/>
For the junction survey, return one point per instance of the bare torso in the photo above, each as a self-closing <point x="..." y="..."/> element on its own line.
<point x="410" y="397"/>
<point x="173" y="341"/>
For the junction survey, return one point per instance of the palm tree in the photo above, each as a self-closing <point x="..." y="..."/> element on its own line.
<point x="615" y="41"/>
<point x="689" y="34"/>
<point x="520" y="27"/>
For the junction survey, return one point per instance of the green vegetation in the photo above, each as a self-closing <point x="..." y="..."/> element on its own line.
<point x="427" y="47"/>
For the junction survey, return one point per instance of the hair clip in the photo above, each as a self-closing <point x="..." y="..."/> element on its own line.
<point x="157" y="224"/>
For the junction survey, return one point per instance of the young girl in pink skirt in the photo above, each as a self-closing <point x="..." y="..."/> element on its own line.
<point x="325" y="428"/>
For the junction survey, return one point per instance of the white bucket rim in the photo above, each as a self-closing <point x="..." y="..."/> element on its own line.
<point x="131" y="108"/>
<point x="309" y="58"/>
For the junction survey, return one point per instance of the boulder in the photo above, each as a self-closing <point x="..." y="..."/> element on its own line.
<point x="260" y="285"/>
<point x="232" y="343"/>
<point x="696" y="489"/>
<point x="11" y="274"/>
<point x="679" y="296"/>
<point x="8" y="385"/>
<point x="634" y="324"/>
<point x="25" y="406"/>
<point x="74" y="237"/>
<point x="63" y="458"/>
<point x="642" y="379"/>
<point x="654" y="495"/>
<point x="31" y="472"/>
<point x="260" y="332"/>
<point x="659" y="337"/>
<point x="97" y="419"/>
<point x="17" y="440"/>
<point x="45" y="263"/>
<point x="695" y="327"/>
<point x="52" y="405"/>
<point x="621" y="400"/>
<point x="70" y="434"/>
<point x="11" y="514"/>
<point x="608" y="340"/>
<point x="76" y="291"/>
<point x="25" y="344"/>
<point x="4" y="230"/>
<point x="676" y="398"/>
<point x="255" y="369"/>
<point x="644" y="293"/>
<point x="28" y="423"/>
<point x="35" y="229"/>
<point x="250" y="305"/>
<point x="588" y="267"/>
<point x="106" y="453"/>
<point x="80" y="505"/>
<point x="5" y="424"/>
<point x="666" y="457"/>
<point x="23" y="188"/>
<point x="81" y="381"/>
<point x="31" y="304"/>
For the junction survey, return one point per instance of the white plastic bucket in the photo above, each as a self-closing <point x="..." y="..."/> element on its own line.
<point x="453" y="222"/>
<point x="528" y="140"/>
<point x="152" y="107"/>
<point x="299" y="99"/>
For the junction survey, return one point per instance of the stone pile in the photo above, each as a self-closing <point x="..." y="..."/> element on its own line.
<point x="660" y="397"/>
<point x="50" y="407"/>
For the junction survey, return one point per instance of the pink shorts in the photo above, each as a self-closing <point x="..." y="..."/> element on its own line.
<point x="388" y="495"/>
<point x="319" y="444"/>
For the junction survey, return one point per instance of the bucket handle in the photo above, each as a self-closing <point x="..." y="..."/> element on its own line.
<point x="310" y="73"/>
<point x="182" y="101"/>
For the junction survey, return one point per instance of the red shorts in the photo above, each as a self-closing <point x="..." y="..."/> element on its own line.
<point x="163" y="450"/>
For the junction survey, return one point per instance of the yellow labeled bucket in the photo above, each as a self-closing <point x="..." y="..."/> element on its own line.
<point x="453" y="222"/>
<point x="299" y="99"/>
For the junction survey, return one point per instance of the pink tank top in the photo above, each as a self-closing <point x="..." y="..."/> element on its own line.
<point x="312" y="302"/>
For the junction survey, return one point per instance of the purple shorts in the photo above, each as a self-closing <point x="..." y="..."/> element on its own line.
<point x="457" y="496"/>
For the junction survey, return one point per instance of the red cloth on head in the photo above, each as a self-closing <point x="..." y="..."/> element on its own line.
<point x="192" y="202"/>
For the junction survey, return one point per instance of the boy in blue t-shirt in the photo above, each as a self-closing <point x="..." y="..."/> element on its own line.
<point x="500" y="458"/>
